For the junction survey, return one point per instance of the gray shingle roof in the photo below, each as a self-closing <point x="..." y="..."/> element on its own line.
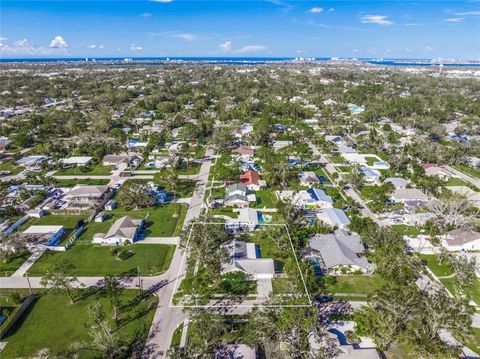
<point x="339" y="248"/>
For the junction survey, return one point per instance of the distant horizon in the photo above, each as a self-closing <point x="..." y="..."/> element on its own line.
<point x="261" y="28"/>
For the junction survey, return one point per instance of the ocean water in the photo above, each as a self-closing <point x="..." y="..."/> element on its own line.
<point x="237" y="61"/>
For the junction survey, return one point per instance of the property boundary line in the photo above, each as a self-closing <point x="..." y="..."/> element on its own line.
<point x="176" y="285"/>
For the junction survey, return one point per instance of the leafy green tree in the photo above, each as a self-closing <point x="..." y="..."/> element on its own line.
<point x="134" y="195"/>
<point x="59" y="279"/>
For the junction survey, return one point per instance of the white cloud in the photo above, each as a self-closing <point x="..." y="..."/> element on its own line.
<point x="26" y="48"/>
<point x="376" y="19"/>
<point x="135" y="47"/>
<point x="251" y="48"/>
<point x="58" y="43"/>
<point x="414" y="24"/>
<point x="186" y="37"/>
<point x="316" y="10"/>
<point x="468" y="13"/>
<point x="331" y="9"/>
<point x="95" y="46"/>
<point x="146" y="14"/>
<point x="428" y="49"/>
<point x="455" y="19"/>
<point x="372" y="51"/>
<point x="226" y="46"/>
<point x="300" y="51"/>
<point x="355" y="50"/>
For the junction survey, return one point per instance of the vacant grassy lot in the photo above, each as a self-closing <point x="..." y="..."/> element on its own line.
<point x="355" y="284"/>
<point x="95" y="260"/>
<point x="94" y="170"/>
<point x="440" y="270"/>
<point x="265" y="198"/>
<point x="88" y="181"/>
<point x="54" y="323"/>
<point x="474" y="172"/>
<point x="405" y="230"/>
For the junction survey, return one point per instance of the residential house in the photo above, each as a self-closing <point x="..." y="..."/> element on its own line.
<point x="245" y="152"/>
<point x="234" y="351"/>
<point x="313" y="198"/>
<point x="309" y="178"/>
<point x="281" y="144"/>
<point x="472" y="161"/>
<point x="121" y="161"/>
<point x="371" y="176"/>
<point x="243" y="256"/>
<point x="334" y="217"/>
<point x="411" y="197"/>
<point x="110" y="205"/>
<point x="237" y="195"/>
<point x="31" y="161"/>
<point x="85" y="196"/>
<point x="247" y="220"/>
<point x="47" y="235"/>
<point x="335" y="139"/>
<point x="246" y="129"/>
<point x="338" y="252"/>
<point x="251" y="179"/>
<point x="432" y="169"/>
<point x="125" y="230"/>
<point x="461" y="239"/>
<point x="346" y="149"/>
<point x="76" y="161"/>
<point x="397" y="182"/>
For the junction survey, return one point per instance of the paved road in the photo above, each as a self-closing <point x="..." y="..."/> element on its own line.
<point x="167" y="318"/>
<point x="464" y="176"/>
<point x="366" y="212"/>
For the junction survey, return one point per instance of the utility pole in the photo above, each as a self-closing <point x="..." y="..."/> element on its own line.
<point x="139" y="280"/>
<point x="29" y="285"/>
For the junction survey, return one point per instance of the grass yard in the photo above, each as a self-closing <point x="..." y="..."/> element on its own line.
<point x="8" y="268"/>
<point x="93" y="170"/>
<point x="454" y="181"/>
<point x="11" y="167"/>
<point x="266" y="198"/>
<point x="405" y="230"/>
<point x="474" y="172"/>
<point x="94" y="260"/>
<point x="371" y="160"/>
<point x="162" y="221"/>
<point x="472" y="292"/>
<point x="440" y="270"/>
<point x="355" y="284"/>
<point x="54" y="323"/>
<point x="88" y="181"/>
<point x="336" y="159"/>
<point x="193" y="169"/>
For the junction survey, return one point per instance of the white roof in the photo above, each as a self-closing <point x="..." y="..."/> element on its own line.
<point x="76" y="160"/>
<point x="248" y="215"/>
<point x="43" y="229"/>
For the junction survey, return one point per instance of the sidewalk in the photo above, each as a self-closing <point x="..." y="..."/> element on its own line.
<point x="20" y="272"/>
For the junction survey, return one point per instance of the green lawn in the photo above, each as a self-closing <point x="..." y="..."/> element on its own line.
<point x="12" y="167"/>
<point x="371" y="160"/>
<point x="93" y="170"/>
<point x="88" y="181"/>
<point x="266" y="198"/>
<point x="405" y="230"/>
<point x="454" y="181"/>
<point x="336" y="159"/>
<point x="95" y="260"/>
<point x="193" y="169"/>
<point x="355" y="284"/>
<point x="472" y="292"/>
<point x="474" y="172"/>
<point x="8" y="268"/>
<point x="440" y="270"/>
<point x="54" y="323"/>
<point x="162" y="221"/>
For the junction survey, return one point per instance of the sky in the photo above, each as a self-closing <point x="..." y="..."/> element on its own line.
<point x="249" y="28"/>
